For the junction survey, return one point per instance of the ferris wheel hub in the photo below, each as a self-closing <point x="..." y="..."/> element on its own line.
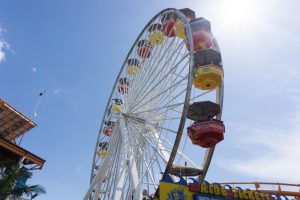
<point x="134" y="118"/>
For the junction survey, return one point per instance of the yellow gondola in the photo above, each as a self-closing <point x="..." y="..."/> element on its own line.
<point x="207" y="77"/>
<point x="179" y="27"/>
<point x="103" y="146"/>
<point x="156" y="36"/>
<point x="117" y="103"/>
<point x="133" y="67"/>
<point x="102" y="153"/>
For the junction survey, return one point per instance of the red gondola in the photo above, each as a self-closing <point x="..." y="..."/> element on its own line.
<point x="168" y="28"/>
<point x="144" y="48"/>
<point x="206" y="133"/>
<point x="202" y="36"/>
<point x="107" y="131"/>
<point x="109" y="127"/>
<point x="123" y="85"/>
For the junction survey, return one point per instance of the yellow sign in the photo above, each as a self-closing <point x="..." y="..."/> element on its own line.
<point x="206" y="191"/>
<point x="170" y="191"/>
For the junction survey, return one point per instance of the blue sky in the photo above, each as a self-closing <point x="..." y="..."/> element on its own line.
<point x="74" y="49"/>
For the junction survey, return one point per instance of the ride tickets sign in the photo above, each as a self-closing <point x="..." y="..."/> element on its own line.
<point x="206" y="191"/>
<point x="231" y="193"/>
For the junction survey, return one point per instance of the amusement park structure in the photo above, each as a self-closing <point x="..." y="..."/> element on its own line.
<point x="165" y="107"/>
<point x="13" y="126"/>
<point x="280" y="190"/>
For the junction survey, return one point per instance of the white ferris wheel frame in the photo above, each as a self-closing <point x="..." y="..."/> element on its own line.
<point x="120" y="137"/>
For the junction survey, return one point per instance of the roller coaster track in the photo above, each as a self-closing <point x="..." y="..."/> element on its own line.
<point x="290" y="190"/>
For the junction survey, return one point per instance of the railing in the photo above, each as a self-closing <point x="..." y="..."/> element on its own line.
<point x="282" y="189"/>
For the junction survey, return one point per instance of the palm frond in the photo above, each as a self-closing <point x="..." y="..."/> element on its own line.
<point x="9" y="184"/>
<point x="28" y="191"/>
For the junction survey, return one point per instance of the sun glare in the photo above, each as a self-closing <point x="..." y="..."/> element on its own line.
<point x="237" y="11"/>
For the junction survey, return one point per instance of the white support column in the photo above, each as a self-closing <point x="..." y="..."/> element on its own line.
<point x="98" y="180"/>
<point x="133" y="174"/>
<point x="127" y="162"/>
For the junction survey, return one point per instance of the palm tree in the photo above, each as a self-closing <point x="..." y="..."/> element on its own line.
<point x="13" y="184"/>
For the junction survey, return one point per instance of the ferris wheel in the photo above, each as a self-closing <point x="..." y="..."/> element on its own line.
<point x="163" y="115"/>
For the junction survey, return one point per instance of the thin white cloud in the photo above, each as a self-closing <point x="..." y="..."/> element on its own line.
<point x="34" y="69"/>
<point x="267" y="152"/>
<point x="56" y="91"/>
<point x="3" y="45"/>
<point x="2" y="55"/>
<point x="78" y="168"/>
<point x="283" y="84"/>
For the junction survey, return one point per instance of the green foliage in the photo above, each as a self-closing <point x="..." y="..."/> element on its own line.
<point x="9" y="187"/>
<point x="28" y="191"/>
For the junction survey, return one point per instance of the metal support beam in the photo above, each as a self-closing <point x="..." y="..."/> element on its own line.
<point x="98" y="180"/>
<point x="127" y="162"/>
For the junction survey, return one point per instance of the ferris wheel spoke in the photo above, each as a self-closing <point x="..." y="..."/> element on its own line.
<point x="157" y="141"/>
<point x="142" y="135"/>
<point x="172" y="105"/>
<point x="180" y="155"/>
<point x="199" y="95"/>
<point x="173" y="98"/>
<point x="157" y="126"/>
<point x="168" y="143"/>
<point x="156" y="158"/>
<point x="164" y="160"/>
<point x="159" y="145"/>
<point x="166" y="95"/>
<point x="159" y="80"/>
<point x="148" y="162"/>
<point x="166" y="118"/>
<point x="149" y="171"/>
<point x="144" y="73"/>
<point x="193" y="98"/>
<point x="161" y="94"/>
<point x="169" y="80"/>
<point x="148" y="73"/>
<point x="153" y="159"/>
<point x="147" y="81"/>
<point x="183" y="77"/>
<point x="159" y="108"/>
<point x="165" y="80"/>
<point x="158" y="56"/>
<point x="163" y="156"/>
